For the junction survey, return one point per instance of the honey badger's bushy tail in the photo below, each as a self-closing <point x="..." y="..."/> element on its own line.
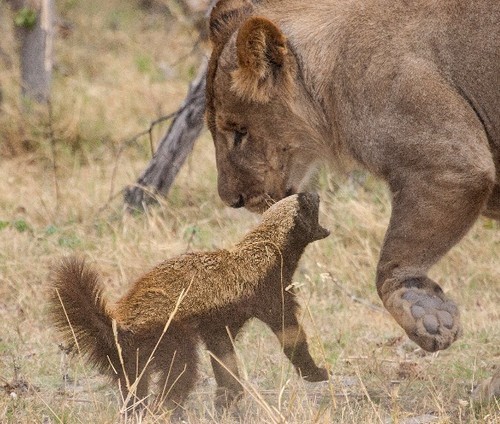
<point x="79" y="311"/>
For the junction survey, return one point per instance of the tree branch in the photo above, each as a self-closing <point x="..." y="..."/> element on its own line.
<point x="173" y="149"/>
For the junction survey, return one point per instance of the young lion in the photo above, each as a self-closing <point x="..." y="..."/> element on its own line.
<point x="220" y="292"/>
<point x="409" y="89"/>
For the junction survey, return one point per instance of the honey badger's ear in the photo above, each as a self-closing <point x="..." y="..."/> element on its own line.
<point x="225" y="17"/>
<point x="262" y="52"/>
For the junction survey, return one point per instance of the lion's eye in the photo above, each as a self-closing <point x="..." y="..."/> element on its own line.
<point x="238" y="136"/>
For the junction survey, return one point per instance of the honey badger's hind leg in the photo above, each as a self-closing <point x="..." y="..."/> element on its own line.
<point x="219" y="342"/>
<point x="132" y="373"/>
<point x="175" y="361"/>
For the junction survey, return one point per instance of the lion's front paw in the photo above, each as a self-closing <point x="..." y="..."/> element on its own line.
<point x="429" y="318"/>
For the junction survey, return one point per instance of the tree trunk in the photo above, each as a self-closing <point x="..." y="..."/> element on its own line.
<point x="34" y="21"/>
<point x="173" y="149"/>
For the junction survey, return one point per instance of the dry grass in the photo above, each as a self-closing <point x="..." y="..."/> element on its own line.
<point x="115" y="73"/>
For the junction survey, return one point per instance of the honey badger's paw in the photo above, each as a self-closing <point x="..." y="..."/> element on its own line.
<point x="319" y="374"/>
<point x="429" y="318"/>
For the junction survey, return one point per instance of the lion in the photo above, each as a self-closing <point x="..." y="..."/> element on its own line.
<point x="154" y="330"/>
<point x="409" y="90"/>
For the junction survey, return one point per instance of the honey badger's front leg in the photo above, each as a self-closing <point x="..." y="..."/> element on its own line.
<point x="441" y="177"/>
<point x="282" y="319"/>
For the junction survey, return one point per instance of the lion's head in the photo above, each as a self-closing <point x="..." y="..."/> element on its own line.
<point x="258" y="110"/>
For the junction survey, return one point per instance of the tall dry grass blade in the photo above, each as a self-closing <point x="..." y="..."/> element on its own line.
<point x="48" y="407"/>
<point x="365" y="391"/>
<point x="331" y="388"/>
<point x="53" y="148"/>
<point x="132" y="388"/>
<point x="274" y="415"/>
<point x="69" y="322"/>
<point x="75" y="338"/>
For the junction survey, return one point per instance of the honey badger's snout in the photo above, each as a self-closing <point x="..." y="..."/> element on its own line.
<point x="309" y="213"/>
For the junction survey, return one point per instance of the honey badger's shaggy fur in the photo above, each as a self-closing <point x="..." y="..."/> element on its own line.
<point x="409" y="89"/>
<point x="223" y="290"/>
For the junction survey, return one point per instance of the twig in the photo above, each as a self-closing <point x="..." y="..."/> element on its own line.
<point x="54" y="153"/>
<point x="133" y="139"/>
<point x="190" y="53"/>
<point x="353" y="297"/>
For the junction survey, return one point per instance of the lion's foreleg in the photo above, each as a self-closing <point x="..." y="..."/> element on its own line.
<point x="431" y="212"/>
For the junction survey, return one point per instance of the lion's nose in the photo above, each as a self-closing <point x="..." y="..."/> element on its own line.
<point x="238" y="203"/>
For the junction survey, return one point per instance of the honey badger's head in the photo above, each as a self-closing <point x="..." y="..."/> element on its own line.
<point x="299" y="214"/>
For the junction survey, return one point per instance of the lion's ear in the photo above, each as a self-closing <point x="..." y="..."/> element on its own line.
<point x="225" y="17"/>
<point x="262" y="51"/>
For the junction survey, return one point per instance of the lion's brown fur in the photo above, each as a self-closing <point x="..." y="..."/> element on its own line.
<point x="219" y="292"/>
<point x="410" y="90"/>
